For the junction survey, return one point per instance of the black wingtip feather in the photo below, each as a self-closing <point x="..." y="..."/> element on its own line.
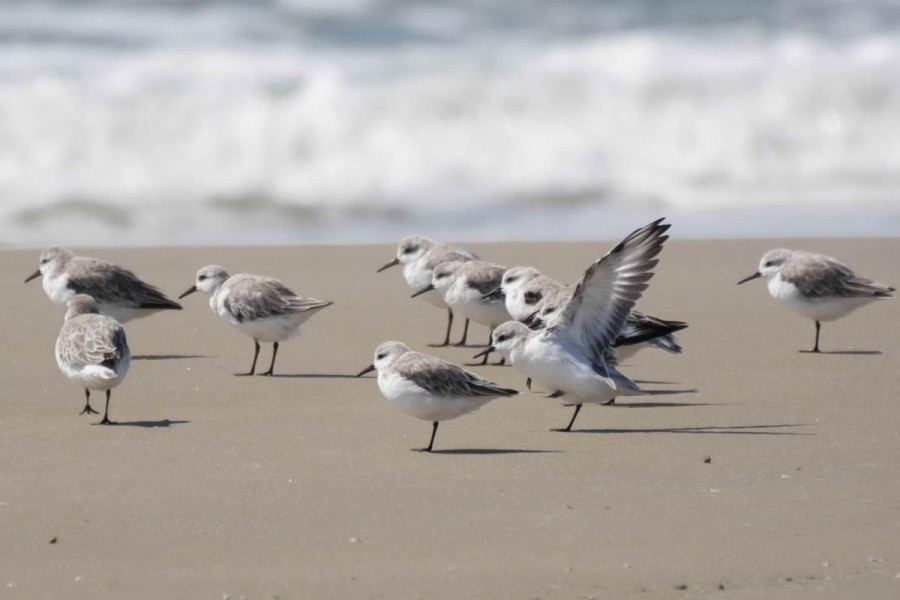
<point x="161" y="305"/>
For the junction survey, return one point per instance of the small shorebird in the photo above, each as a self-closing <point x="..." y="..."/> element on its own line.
<point x="92" y="351"/>
<point x="465" y="287"/>
<point x="429" y="388"/>
<point x="260" y="307"/>
<point x="523" y="288"/>
<point x="118" y="292"/>
<point x="818" y="287"/>
<point x="569" y="356"/>
<point x="419" y="257"/>
<point x="640" y="330"/>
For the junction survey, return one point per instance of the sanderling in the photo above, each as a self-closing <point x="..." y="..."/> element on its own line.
<point x="569" y="356"/>
<point x="118" y="292"/>
<point x="429" y="388"/>
<point x="419" y="256"/>
<point x="91" y="350"/>
<point x="465" y="286"/>
<point x="639" y="331"/>
<point x="523" y="288"/>
<point x="260" y="307"/>
<point x="816" y="286"/>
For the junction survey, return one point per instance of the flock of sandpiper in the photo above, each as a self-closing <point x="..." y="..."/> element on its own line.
<point x="566" y="338"/>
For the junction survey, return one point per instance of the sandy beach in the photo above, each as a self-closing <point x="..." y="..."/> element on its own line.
<point x="755" y="471"/>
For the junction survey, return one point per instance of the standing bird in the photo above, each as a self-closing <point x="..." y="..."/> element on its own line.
<point x="260" y="307"/>
<point x="429" y="388"/>
<point x="465" y="287"/>
<point x="92" y="351"/>
<point x="419" y="257"/>
<point x="569" y="357"/>
<point x="816" y="286"/>
<point x="522" y="289"/>
<point x="118" y="292"/>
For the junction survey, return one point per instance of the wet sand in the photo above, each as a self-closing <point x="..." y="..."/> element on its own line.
<point x="755" y="471"/>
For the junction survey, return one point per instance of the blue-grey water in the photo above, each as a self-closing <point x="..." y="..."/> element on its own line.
<point x="201" y="122"/>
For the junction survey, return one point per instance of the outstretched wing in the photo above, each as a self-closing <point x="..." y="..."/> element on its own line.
<point x="111" y="284"/>
<point x="445" y="379"/>
<point x="250" y="297"/>
<point x="610" y="287"/>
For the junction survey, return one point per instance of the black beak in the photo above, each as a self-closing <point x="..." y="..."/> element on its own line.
<point x="189" y="291"/>
<point x="34" y="275"/>
<point x="494" y="294"/>
<point x="485" y="352"/>
<point x="752" y="277"/>
<point x="368" y="369"/>
<point x="388" y="265"/>
<point x="427" y="288"/>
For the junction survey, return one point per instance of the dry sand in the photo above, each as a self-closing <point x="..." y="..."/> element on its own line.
<point x="304" y="485"/>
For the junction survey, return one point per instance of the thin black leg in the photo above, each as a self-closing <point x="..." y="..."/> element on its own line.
<point x="816" y="347"/>
<point x="431" y="443"/>
<point x="465" y="336"/>
<point x="274" y="354"/>
<point x="87" y="404"/>
<point x="106" y="420"/>
<point x="572" y="422"/>
<point x="253" y="366"/>
<point x="528" y="383"/>
<point x="446" y="341"/>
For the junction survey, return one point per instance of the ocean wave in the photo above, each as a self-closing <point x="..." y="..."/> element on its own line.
<point x="125" y="114"/>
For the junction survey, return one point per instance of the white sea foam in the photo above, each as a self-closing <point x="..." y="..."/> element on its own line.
<point x="153" y="122"/>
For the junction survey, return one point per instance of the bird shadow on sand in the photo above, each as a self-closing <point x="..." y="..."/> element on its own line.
<point x="316" y="376"/>
<point x="712" y="430"/>
<point x="670" y="392"/>
<point x="847" y="352"/>
<point x="486" y="451"/>
<point x="168" y="356"/>
<point x="661" y="404"/>
<point x="163" y="423"/>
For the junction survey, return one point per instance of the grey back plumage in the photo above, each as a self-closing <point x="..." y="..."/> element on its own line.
<point x="444" y="379"/>
<point x="92" y="339"/>
<point x="251" y="297"/>
<point x="482" y="276"/>
<point x="821" y="276"/>
<point x="441" y="253"/>
<point x="111" y="284"/>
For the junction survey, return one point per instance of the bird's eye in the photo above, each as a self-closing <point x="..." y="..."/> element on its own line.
<point x="201" y="277"/>
<point x="768" y="264"/>
<point x="381" y="356"/>
<point x="410" y="249"/>
<point x="502" y="338"/>
<point x="45" y="261"/>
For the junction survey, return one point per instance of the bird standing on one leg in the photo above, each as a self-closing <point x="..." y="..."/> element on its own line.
<point x="430" y="388"/>
<point x="816" y="286"/>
